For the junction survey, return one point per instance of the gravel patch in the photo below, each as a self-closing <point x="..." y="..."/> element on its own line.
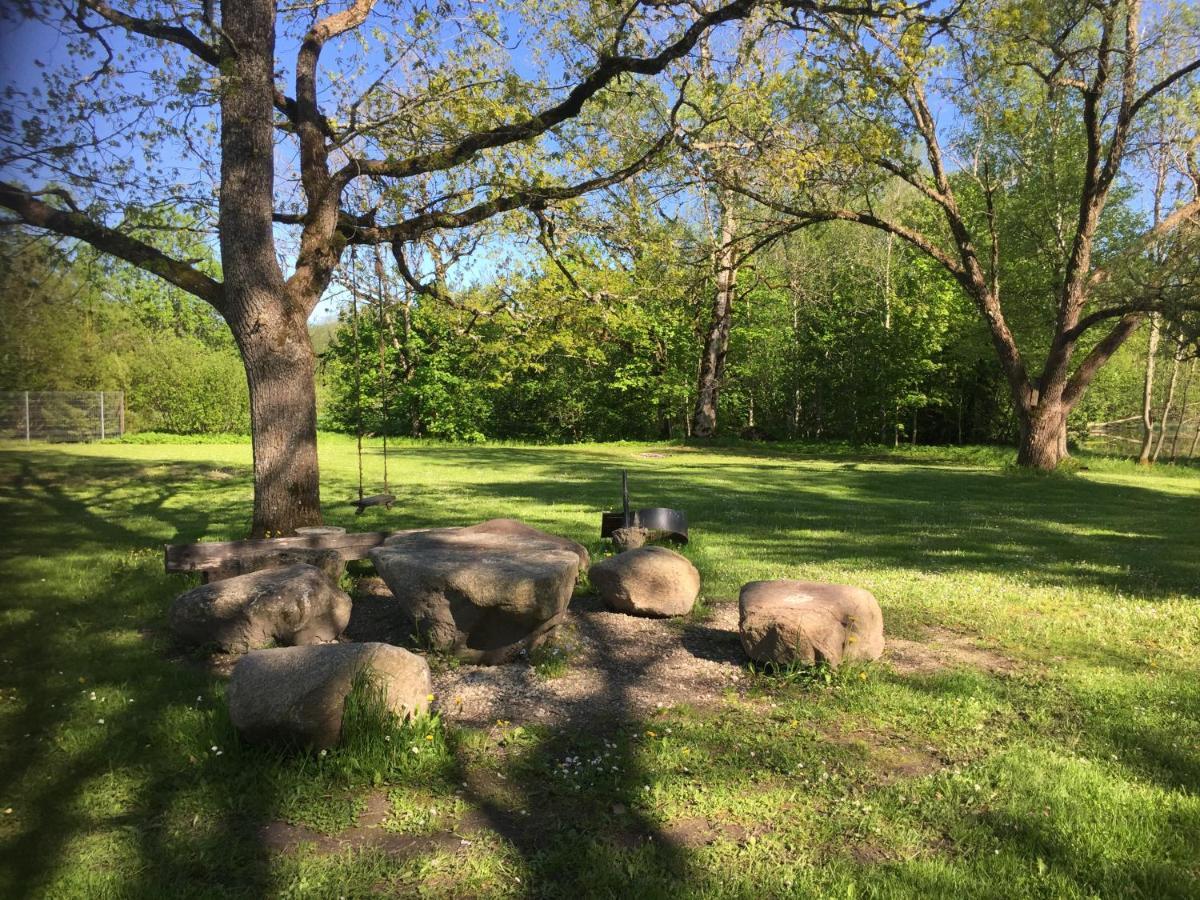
<point x="620" y="667"/>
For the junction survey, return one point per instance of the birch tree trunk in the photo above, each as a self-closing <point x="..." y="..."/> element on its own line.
<point x="1148" y="395"/>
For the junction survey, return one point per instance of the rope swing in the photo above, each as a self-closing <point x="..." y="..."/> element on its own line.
<point x="384" y="499"/>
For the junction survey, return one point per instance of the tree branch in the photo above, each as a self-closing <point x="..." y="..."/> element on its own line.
<point x="1099" y="355"/>
<point x="608" y="68"/>
<point x="533" y="196"/>
<point x="73" y="223"/>
<point x="814" y="216"/>
<point x="153" y="28"/>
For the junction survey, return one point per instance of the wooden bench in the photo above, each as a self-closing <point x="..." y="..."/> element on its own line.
<point x="214" y="556"/>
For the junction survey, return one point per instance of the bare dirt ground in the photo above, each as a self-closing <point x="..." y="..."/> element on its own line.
<point x="941" y="649"/>
<point x="619" y="665"/>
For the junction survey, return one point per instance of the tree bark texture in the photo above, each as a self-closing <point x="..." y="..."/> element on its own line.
<point x="716" y="338"/>
<point x="1043" y="436"/>
<point x="270" y="327"/>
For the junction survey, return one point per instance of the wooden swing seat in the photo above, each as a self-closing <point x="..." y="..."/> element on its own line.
<point x="384" y="500"/>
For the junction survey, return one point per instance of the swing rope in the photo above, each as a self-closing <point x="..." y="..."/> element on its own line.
<point x="386" y="499"/>
<point x="383" y="381"/>
<point x="358" y="417"/>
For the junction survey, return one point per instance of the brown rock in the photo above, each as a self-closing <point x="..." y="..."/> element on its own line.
<point x="297" y="695"/>
<point x="648" y="581"/>
<point x="292" y="605"/>
<point x="809" y="622"/>
<point x="482" y="593"/>
<point x="630" y="538"/>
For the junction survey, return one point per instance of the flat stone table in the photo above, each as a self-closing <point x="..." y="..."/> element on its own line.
<point x="482" y="593"/>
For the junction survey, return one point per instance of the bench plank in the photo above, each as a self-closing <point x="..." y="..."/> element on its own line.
<point x="214" y="554"/>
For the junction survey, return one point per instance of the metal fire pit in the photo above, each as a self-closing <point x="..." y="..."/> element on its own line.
<point x="671" y="524"/>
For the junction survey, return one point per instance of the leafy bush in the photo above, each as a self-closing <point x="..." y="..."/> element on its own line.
<point x="180" y="385"/>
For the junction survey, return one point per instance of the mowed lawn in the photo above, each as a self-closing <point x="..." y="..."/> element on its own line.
<point x="1069" y="767"/>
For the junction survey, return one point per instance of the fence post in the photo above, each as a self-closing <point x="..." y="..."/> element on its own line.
<point x="121" y="415"/>
<point x="102" y="415"/>
<point x="27" y="417"/>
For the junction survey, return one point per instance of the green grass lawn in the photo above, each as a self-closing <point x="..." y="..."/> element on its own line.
<point x="1074" y="773"/>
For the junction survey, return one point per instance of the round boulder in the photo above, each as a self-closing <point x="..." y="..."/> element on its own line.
<point x="809" y="622"/>
<point x="482" y="593"/>
<point x="647" y="581"/>
<point x="297" y="695"/>
<point x="295" y="604"/>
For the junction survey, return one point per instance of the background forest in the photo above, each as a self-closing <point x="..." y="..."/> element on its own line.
<point x="838" y="333"/>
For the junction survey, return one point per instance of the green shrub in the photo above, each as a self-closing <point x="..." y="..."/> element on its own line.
<point x="182" y="386"/>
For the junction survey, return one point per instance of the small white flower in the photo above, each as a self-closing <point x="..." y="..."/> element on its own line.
<point x="324" y="752"/>
<point x="100" y="721"/>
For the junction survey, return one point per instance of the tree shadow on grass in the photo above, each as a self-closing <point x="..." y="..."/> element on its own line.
<point x="106" y="743"/>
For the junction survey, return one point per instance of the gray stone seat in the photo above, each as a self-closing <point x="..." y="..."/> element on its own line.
<point x="295" y="604"/>
<point x="485" y="592"/>
<point x="809" y="622"/>
<point x="297" y="695"/>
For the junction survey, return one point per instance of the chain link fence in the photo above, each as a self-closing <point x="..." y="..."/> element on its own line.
<point x="62" y="415"/>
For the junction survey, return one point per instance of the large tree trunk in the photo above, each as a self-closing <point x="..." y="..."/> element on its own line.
<point x="269" y="324"/>
<point x="1043" y="439"/>
<point x="716" y="338"/>
<point x="280" y="370"/>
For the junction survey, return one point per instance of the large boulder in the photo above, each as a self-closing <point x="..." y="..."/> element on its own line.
<point x="297" y="695"/>
<point x="809" y="622"/>
<point x="295" y="604"/>
<point x="482" y="593"/>
<point x="328" y="561"/>
<point x="647" y="581"/>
